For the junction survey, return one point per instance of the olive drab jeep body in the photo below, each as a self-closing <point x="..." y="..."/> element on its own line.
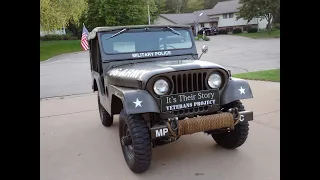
<point x="152" y="77"/>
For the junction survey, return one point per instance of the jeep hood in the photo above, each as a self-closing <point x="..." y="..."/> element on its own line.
<point x="137" y="74"/>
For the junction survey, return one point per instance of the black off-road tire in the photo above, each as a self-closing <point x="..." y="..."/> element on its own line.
<point x="105" y="117"/>
<point x="237" y="137"/>
<point x="138" y="158"/>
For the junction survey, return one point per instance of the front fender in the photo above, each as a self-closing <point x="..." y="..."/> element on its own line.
<point x="135" y="101"/>
<point x="236" y="89"/>
<point x="99" y="87"/>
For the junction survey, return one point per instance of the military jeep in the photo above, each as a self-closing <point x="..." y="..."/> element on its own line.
<point x="152" y="77"/>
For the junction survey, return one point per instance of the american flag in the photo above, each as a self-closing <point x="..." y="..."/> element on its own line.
<point x="84" y="40"/>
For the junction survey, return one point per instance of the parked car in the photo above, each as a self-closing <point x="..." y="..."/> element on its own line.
<point x="208" y="31"/>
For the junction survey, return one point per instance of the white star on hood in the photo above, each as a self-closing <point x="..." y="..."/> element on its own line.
<point x="137" y="103"/>
<point x="242" y="90"/>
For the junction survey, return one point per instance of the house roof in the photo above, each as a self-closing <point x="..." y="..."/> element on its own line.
<point x="190" y="18"/>
<point x="204" y="16"/>
<point x="185" y="18"/>
<point x="225" y="7"/>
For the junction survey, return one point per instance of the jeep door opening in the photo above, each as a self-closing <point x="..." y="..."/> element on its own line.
<point x="152" y="76"/>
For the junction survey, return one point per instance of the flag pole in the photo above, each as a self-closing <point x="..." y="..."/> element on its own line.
<point x="148" y="15"/>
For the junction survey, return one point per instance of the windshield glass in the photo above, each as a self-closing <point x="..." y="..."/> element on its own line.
<point x="145" y="41"/>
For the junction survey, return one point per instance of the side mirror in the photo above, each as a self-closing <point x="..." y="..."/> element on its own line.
<point x="204" y="50"/>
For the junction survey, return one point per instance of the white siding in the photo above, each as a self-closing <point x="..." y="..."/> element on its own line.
<point x="162" y="21"/>
<point x="60" y="32"/>
<point x="262" y="24"/>
<point x="240" y="22"/>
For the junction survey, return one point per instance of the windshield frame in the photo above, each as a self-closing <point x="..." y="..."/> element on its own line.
<point x="140" y="30"/>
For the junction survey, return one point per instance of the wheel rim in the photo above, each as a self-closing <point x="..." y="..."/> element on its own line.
<point x="128" y="149"/>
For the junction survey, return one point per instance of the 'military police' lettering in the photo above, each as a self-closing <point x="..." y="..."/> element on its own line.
<point x="150" y="54"/>
<point x="132" y="73"/>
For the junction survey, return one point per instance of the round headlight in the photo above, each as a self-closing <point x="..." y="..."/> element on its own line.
<point x="161" y="87"/>
<point x="214" y="80"/>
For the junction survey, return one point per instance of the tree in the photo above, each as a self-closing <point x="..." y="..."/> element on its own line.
<point x="161" y="6"/>
<point x="119" y="12"/>
<point x="209" y="4"/>
<point x="194" y="5"/>
<point x="262" y="9"/>
<point x="57" y="13"/>
<point x="176" y="6"/>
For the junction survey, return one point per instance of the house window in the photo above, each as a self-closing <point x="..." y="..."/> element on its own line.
<point x="202" y="24"/>
<point x="225" y="16"/>
<point x="230" y="15"/>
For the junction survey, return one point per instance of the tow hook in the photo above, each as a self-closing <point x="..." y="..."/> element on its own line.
<point x="173" y="123"/>
<point x="235" y="113"/>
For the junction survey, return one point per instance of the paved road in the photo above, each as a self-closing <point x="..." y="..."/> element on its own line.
<point x="70" y="74"/>
<point x="74" y="145"/>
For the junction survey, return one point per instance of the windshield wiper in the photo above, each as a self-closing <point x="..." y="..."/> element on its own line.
<point x="118" y="33"/>
<point x="174" y="31"/>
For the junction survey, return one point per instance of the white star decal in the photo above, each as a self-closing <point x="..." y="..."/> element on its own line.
<point x="242" y="90"/>
<point x="137" y="103"/>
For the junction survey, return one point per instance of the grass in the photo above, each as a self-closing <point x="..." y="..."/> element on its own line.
<point x="267" y="75"/>
<point x="50" y="49"/>
<point x="261" y="34"/>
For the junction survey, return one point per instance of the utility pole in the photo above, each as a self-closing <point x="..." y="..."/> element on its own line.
<point x="148" y="14"/>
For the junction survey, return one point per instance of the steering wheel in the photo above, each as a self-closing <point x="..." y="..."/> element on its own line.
<point x="167" y="46"/>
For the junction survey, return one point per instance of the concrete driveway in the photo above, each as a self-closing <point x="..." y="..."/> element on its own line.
<point x="70" y="74"/>
<point x="75" y="145"/>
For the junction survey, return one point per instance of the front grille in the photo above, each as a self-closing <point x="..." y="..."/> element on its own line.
<point x="189" y="82"/>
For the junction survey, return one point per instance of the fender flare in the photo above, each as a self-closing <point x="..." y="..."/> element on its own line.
<point x="96" y="78"/>
<point x="135" y="101"/>
<point x="236" y="89"/>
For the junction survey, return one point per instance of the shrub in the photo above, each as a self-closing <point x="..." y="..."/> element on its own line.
<point x="223" y="31"/>
<point x="199" y="36"/>
<point x="237" y="31"/>
<point x="52" y="37"/>
<point x="277" y="26"/>
<point x="252" y="30"/>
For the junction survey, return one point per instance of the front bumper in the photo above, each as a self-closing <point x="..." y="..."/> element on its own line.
<point x="176" y="128"/>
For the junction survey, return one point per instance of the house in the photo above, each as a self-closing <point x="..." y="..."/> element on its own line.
<point x="226" y="12"/>
<point x="222" y="15"/>
<point x="196" y="20"/>
<point x="57" y="31"/>
<point x="203" y="20"/>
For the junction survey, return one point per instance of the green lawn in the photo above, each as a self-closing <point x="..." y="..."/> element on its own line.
<point x="261" y="34"/>
<point x="49" y="49"/>
<point x="267" y="75"/>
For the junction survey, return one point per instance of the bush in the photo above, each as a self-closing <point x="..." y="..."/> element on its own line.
<point x="277" y="26"/>
<point x="52" y="37"/>
<point x="237" y="31"/>
<point x="198" y="37"/>
<point x="252" y="30"/>
<point x="223" y="31"/>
